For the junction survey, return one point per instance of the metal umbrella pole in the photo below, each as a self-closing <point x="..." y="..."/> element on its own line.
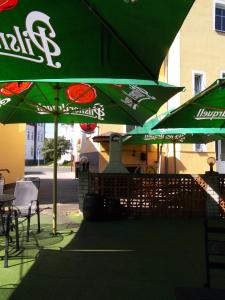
<point x="54" y="224"/>
<point x="160" y="159"/>
<point x="174" y="158"/>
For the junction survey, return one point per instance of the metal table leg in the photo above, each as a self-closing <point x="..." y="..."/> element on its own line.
<point x="6" y="256"/>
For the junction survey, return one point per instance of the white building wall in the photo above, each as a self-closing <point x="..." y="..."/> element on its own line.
<point x="74" y="135"/>
<point x="29" y="144"/>
<point x="40" y="140"/>
<point x="173" y="71"/>
<point x="174" y="78"/>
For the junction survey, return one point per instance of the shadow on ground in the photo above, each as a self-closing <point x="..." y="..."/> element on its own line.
<point x="132" y="259"/>
<point x="34" y="173"/>
<point x="20" y="262"/>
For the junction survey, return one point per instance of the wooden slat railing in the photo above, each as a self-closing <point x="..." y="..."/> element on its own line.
<point x="222" y="194"/>
<point x="154" y="195"/>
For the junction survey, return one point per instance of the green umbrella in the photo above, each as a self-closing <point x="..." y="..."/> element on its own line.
<point x="66" y="102"/>
<point x="147" y="135"/>
<point x="95" y="41"/>
<point x="82" y="103"/>
<point x="205" y="110"/>
<point x="114" y="41"/>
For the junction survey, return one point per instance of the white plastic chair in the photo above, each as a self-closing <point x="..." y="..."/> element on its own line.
<point x="26" y="202"/>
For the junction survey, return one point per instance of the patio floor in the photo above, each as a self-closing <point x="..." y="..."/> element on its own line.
<point x="130" y="259"/>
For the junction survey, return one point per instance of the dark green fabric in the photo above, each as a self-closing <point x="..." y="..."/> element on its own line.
<point x="116" y="39"/>
<point x="114" y="104"/>
<point x="147" y="135"/>
<point x="205" y="110"/>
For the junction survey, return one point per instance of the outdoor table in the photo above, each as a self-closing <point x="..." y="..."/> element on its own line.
<point x="6" y="218"/>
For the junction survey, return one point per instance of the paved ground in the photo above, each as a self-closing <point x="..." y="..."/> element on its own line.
<point x="67" y="187"/>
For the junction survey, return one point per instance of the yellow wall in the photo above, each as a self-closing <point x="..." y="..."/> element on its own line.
<point x="12" y="151"/>
<point x="201" y="49"/>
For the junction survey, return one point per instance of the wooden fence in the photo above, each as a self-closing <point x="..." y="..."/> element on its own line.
<point x="222" y="194"/>
<point x="154" y="195"/>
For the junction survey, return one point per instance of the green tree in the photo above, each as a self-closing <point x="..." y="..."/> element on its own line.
<point x="63" y="147"/>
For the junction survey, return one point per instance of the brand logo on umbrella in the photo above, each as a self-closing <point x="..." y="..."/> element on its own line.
<point x="14" y="88"/>
<point x="81" y="93"/>
<point x="136" y="96"/>
<point x="4" y="101"/>
<point x="95" y="112"/>
<point x="7" y="4"/>
<point x="175" y="137"/>
<point x="210" y="114"/>
<point x="36" y="39"/>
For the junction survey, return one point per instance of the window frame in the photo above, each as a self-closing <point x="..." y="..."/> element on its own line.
<point x="203" y="86"/>
<point x="203" y="74"/>
<point x="215" y="4"/>
<point x="204" y="148"/>
<point x="222" y="72"/>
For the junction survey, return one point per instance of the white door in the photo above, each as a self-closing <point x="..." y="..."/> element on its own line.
<point x="220" y="157"/>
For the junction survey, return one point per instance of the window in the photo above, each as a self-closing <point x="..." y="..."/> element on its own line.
<point x="200" y="148"/>
<point x="32" y="151"/>
<point x="198" y="83"/>
<point x="32" y="135"/>
<point x="198" y="86"/>
<point x="28" y="135"/>
<point x="129" y="127"/>
<point x="220" y="17"/>
<point x="222" y="74"/>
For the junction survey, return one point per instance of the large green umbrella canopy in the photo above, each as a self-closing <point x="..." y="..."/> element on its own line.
<point x="25" y="102"/>
<point x="66" y="102"/>
<point x="205" y="110"/>
<point x="95" y="41"/>
<point x="147" y="135"/>
<point x="87" y="40"/>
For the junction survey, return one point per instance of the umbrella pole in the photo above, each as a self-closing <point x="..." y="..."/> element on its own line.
<point x="54" y="224"/>
<point x="54" y="220"/>
<point x="160" y="159"/>
<point x="146" y="151"/>
<point x="174" y="158"/>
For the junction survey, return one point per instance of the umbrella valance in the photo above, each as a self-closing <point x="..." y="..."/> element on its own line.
<point x="26" y="102"/>
<point x="87" y="40"/>
<point x="205" y="110"/>
<point x="172" y="138"/>
<point x="147" y="135"/>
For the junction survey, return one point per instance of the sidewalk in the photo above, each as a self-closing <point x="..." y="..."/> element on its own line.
<point x="67" y="188"/>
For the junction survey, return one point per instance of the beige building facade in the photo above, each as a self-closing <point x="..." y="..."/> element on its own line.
<point x="195" y="60"/>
